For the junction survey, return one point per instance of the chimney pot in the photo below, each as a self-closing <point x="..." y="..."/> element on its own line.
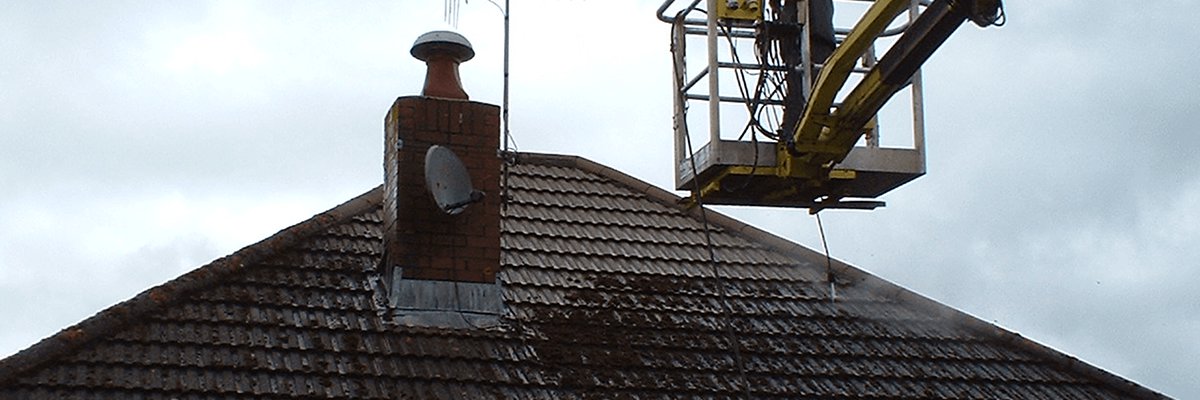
<point x="442" y="51"/>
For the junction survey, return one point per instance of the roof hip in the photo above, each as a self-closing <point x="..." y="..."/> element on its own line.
<point x="113" y="318"/>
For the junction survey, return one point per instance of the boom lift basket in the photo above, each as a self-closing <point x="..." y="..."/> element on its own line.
<point x="783" y="129"/>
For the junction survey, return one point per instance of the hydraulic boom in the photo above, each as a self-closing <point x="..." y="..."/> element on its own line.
<point x="823" y="137"/>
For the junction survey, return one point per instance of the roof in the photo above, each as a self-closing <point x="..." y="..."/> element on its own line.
<point x="609" y="293"/>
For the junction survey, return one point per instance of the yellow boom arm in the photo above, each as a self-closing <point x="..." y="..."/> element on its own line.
<point x="824" y="137"/>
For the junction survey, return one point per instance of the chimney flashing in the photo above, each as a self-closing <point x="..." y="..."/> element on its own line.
<point x="445" y="304"/>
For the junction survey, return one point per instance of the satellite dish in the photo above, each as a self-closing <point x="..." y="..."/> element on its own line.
<point x="448" y="181"/>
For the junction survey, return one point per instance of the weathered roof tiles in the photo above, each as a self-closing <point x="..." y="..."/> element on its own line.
<point x="609" y="293"/>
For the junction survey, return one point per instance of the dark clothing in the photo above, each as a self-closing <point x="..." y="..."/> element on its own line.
<point x="820" y="20"/>
<point x="821" y="44"/>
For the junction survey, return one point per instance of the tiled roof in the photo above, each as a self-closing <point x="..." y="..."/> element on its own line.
<point x="609" y="293"/>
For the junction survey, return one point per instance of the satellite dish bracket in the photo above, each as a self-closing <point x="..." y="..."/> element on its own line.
<point x="476" y="196"/>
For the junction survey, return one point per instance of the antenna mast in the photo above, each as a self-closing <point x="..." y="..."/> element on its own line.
<point x="450" y="13"/>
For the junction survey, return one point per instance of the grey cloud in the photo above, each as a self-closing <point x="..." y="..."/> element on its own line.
<point x="1061" y="151"/>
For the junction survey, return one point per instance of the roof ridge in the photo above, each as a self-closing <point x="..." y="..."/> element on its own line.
<point x="859" y="277"/>
<point x="120" y="314"/>
<point x="117" y="316"/>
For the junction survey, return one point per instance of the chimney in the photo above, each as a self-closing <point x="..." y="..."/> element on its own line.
<point x="440" y="263"/>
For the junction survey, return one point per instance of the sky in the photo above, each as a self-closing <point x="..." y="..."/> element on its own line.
<point x="140" y="140"/>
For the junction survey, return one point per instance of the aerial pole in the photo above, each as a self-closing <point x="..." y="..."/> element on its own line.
<point x="451" y="15"/>
<point x="504" y="101"/>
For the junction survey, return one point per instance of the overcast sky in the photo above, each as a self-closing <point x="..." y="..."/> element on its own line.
<point x="139" y="140"/>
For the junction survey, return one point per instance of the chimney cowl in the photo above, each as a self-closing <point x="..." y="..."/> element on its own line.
<point x="442" y="51"/>
<point x="448" y="42"/>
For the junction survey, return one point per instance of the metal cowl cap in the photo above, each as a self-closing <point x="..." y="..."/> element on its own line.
<point x="450" y="43"/>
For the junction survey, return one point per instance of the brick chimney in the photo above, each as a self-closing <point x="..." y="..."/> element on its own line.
<point x="437" y="263"/>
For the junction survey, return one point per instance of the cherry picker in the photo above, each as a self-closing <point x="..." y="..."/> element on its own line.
<point x="798" y="112"/>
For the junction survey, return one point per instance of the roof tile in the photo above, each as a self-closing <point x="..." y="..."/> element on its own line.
<point x="607" y="288"/>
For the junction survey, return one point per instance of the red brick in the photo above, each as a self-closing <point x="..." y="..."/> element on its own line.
<point x="420" y="238"/>
<point x="429" y="274"/>
<point x="479" y="241"/>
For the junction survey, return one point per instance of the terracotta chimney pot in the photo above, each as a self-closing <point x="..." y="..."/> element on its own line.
<point x="442" y="51"/>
